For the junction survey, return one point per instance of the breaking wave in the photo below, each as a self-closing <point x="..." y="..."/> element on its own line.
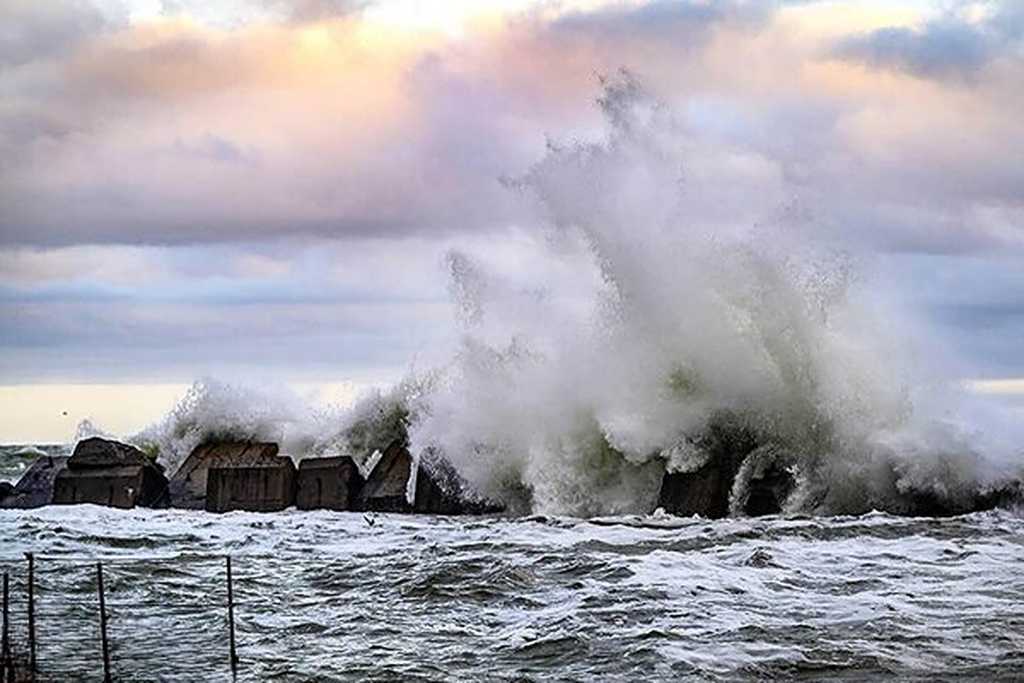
<point x="683" y="311"/>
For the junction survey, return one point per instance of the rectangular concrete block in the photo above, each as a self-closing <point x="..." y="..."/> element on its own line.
<point x="263" y="488"/>
<point x="328" y="484"/>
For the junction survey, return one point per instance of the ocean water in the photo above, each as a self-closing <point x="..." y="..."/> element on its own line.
<point x="324" y="596"/>
<point x="15" y="459"/>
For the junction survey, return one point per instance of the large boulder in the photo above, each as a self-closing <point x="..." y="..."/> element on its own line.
<point x="328" y="483"/>
<point x="187" y="487"/>
<point x="105" y="472"/>
<point x="35" y="488"/>
<point x="268" y="486"/>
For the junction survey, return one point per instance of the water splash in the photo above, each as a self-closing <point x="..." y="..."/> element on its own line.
<point x="690" y="295"/>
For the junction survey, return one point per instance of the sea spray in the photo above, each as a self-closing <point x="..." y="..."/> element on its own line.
<point x="687" y="321"/>
<point x="686" y="303"/>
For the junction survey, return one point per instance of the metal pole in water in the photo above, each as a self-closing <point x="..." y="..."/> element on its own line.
<point x="103" y="624"/>
<point x="6" y="669"/>
<point x="31" y="617"/>
<point x="231" y="623"/>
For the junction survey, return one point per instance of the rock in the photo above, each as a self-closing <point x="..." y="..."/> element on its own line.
<point x="35" y="488"/>
<point x="187" y="487"/>
<point x="763" y="483"/>
<point x="929" y="504"/>
<point x="97" y="452"/>
<point x="767" y="493"/>
<point x="706" y="491"/>
<point x="268" y="486"/>
<point x="328" y="483"/>
<point x="105" y="472"/>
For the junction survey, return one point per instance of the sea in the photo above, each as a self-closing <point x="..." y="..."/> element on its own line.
<point x="337" y="596"/>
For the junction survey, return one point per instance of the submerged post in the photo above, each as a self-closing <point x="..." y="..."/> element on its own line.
<point x="6" y="669"/>
<point x="31" y="617"/>
<point x="103" y="624"/>
<point x="231" y="623"/>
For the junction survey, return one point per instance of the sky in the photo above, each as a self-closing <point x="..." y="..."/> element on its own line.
<point x="266" y="190"/>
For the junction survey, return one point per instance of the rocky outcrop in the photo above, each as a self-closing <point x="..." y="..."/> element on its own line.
<point x="328" y="484"/>
<point x="188" y="486"/>
<point x="35" y="488"/>
<point x="268" y="486"/>
<point x="105" y="472"/>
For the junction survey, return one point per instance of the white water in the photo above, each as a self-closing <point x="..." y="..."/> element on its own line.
<point x="692" y="289"/>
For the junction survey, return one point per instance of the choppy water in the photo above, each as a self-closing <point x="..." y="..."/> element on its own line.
<point x="16" y="459"/>
<point x="330" y="596"/>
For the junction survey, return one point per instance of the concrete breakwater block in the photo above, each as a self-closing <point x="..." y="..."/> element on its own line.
<point x="436" y="487"/>
<point x="35" y="488"/>
<point x="105" y="472"/>
<point x="268" y="486"/>
<point x="328" y="484"/>
<point x="188" y="486"/>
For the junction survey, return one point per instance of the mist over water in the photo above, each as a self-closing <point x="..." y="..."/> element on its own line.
<point x="683" y="285"/>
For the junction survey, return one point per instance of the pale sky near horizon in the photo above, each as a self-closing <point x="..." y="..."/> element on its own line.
<point x="266" y="190"/>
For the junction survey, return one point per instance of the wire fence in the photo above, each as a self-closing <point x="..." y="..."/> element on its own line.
<point x="111" y="619"/>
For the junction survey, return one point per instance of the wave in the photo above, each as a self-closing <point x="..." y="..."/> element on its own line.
<point x="573" y="395"/>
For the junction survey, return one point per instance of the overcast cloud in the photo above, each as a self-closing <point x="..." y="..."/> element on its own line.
<point x="272" y="187"/>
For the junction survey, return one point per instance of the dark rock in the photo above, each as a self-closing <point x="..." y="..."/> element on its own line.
<point x="187" y="487"/>
<point x="930" y="504"/>
<point x="97" y="452"/>
<point x="265" y="487"/>
<point x="328" y="483"/>
<point x="35" y="488"/>
<point x="768" y="492"/>
<point x="705" y="491"/>
<point x="105" y="472"/>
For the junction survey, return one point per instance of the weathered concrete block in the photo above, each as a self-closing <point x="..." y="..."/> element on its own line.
<point x="105" y="472"/>
<point x="187" y="487"/>
<point x="267" y="487"/>
<point x="437" y="488"/>
<point x="328" y="483"/>
<point x="99" y="452"/>
<point x="385" y="487"/>
<point x="121" y="487"/>
<point x="35" y="488"/>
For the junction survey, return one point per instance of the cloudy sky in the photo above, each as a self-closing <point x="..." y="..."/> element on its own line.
<point x="266" y="189"/>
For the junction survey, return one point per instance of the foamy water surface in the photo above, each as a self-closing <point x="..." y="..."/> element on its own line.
<point x="342" y="596"/>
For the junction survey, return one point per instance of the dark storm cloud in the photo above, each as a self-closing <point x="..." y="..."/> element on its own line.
<point x="950" y="46"/>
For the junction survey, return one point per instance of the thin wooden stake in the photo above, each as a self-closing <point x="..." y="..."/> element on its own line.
<point x="31" y="617"/>
<point x="103" y="624"/>
<point x="6" y="667"/>
<point x="231" y="623"/>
